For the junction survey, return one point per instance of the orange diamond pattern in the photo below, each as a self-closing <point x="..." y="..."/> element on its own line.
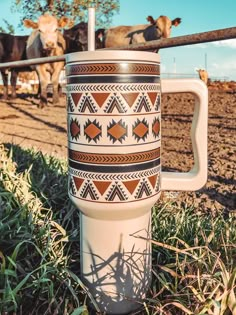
<point x="92" y="131"/>
<point x="74" y="129"/>
<point x="156" y="127"/>
<point x="117" y="131"/>
<point x="140" y="130"/>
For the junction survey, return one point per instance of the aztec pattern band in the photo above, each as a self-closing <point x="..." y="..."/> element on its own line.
<point x="113" y="131"/>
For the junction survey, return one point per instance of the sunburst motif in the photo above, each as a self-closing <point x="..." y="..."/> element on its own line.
<point x="92" y="130"/>
<point x="156" y="127"/>
<point x="140" y="129"/>
<point x="117" y="131"/>
<point x="74" y="129"/>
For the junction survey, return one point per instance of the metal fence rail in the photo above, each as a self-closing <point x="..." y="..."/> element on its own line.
<point x="222" y="34"/>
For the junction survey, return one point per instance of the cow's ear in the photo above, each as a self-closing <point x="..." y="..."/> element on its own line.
<point x="176" y="21"/>
<point x="151" y="20"/>
<point x="65" y="21"/>
<point x="30" y="24"/>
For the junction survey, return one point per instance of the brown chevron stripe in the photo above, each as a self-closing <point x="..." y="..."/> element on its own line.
<point x="113" y="68"/>
<point x="129" y="158"/>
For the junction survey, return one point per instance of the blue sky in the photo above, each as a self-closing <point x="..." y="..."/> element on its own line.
<point x="197" y="16"/>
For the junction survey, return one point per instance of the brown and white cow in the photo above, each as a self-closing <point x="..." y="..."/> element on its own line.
<point x="125" y="35"/>
<point x="45" y="41"/>
<point x="203" y="75"/>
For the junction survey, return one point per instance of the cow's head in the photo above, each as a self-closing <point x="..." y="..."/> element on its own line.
<point x="203" y="75"/>
<point x="164" y="25"/>
<point x="48" y="28"/>
<point x="100" y="38"/>
<point x="77" y="37"/>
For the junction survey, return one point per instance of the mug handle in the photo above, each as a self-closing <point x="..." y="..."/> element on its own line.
<point x="197" y="176"/>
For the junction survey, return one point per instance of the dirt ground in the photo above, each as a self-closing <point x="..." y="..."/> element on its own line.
<point x="22" y="123"/>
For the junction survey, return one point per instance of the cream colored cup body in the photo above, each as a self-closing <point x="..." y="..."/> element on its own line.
<point x="114" y="154"/>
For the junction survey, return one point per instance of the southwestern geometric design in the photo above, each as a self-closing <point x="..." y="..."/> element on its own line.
<point x="130" y="98"/>
<point x="117" y="130"/>
<point x="76" y="97"/>
<point x="158" y="102"/>
<point x="115" y="103"/>
<point x="144" y="189"/>
<point x="104" y="177"/>
<point x="152" y="96"/>
<point x="113" y="68"/>
<point x="89" y="192"/>
<point x="156" y="126"/>
<point x="114" y="131"/>
<point x="72" y="188"/>
<point x="115" y="190"/>
<point x="100" y="98"/>
<point x="109" y="158"/>
<point x="110" y="87"/>
<point x="74" y="129"/>
<point x="92" y="130"/>
<point x="116" y="193"/>
<point x="140" y="129"/>
<point x="87" y="103"/>
<point x="143" y="104"/>
<point x="70" y="104"/>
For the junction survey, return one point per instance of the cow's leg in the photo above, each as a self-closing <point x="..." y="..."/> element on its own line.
<point x="43" y="82"/>
<point x="55" y="97"/>
<point x="55" y="82"/>
<point x="14" y="74"/>
<point x="4" y="74"/>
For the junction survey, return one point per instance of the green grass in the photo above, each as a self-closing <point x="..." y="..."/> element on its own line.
<point x="194" y="254"/>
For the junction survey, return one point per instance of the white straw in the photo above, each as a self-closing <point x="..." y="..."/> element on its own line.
<point x="91" y="29"/>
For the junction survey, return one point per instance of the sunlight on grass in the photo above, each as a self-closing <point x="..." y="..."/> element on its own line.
<point x="194" y="253"/>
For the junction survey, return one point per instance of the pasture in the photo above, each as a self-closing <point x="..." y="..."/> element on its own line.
<point x="194" y="235"/>
<point x="22" y="123"/>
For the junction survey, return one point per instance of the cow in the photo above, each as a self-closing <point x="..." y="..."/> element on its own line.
<point x="203" y="75"/>
<point x="46" y="41"/>
<point x="125" y="35"/>
<point x="12" y="48"/>
<point x="76" y="38"/>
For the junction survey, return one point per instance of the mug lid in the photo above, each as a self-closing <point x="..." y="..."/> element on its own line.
<point x="113" y="55"/>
